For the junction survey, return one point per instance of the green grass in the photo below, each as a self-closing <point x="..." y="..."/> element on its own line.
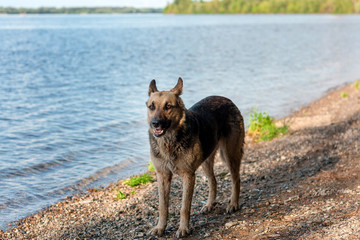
<point x="135" y="181"/>
<point x="344" y="95"/>
<point x="262" y="127"/>
<point x="357" y="84"/>
<point x="151" y="167"/>
<point x="121" y="195"/>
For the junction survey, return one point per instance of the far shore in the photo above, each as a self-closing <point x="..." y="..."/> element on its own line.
<point x="304" y="185"/>
<point x="77" y="10"/>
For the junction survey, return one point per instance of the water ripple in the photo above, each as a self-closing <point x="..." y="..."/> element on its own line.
<point x="73" y="88"/>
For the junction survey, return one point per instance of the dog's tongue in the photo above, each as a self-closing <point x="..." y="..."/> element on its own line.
<point x="158" y="131"/>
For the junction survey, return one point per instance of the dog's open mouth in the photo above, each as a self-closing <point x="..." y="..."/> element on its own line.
<point x="158" y="132"/>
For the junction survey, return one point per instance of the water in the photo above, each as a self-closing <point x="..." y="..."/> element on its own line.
<point x="73" y="87"/>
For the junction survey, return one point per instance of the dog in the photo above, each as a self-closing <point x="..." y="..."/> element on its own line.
<point x="183" y="139"/>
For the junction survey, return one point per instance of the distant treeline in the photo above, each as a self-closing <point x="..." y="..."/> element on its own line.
<point x="77" y="10"/>
<point x="263" y="6"/>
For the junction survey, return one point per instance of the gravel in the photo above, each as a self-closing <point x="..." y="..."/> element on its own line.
<point x="305" y="185"/>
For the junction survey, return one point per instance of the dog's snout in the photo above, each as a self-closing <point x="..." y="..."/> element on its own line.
<point x="155" y="123"/>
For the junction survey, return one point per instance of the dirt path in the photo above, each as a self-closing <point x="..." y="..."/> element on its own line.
<point x="305" y="185"/>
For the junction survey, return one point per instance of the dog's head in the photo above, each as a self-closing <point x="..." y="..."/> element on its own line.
<point x="166" y="110"/>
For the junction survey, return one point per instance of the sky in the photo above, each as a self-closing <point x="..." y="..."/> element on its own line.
<point x="84" y="3"/>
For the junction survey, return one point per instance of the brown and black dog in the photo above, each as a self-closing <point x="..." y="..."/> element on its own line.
<point x="183" y="139"/>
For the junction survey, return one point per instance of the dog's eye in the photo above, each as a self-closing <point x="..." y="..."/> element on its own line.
<point x="151" y="107"/>
<point x="168" y="106"/>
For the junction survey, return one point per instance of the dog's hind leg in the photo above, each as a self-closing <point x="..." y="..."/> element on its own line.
<point x="208" y="167"/>
<point x="231" y="151"/>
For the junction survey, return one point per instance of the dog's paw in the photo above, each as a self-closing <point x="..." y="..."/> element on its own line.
<point x="158" y="231"/>
<point x="182" y="232"/>
<point x="232" y="207"/>
<point x="207" y="208"/>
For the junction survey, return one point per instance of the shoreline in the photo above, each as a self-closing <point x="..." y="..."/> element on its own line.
<point x="99" y="214"/>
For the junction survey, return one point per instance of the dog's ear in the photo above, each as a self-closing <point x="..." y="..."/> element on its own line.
<point x="178" y="88"/>
<point x="152" y="87"/>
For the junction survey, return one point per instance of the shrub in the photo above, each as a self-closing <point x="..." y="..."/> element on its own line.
<point x="262" y="127"/>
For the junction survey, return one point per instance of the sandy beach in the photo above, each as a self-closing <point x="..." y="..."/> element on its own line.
<point x="304" y="185"/>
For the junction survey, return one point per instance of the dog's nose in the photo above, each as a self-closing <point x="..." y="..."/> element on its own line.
<point x="155" y="123"/>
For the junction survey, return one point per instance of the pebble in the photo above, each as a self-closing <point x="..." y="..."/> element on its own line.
<point x="303" y="155"/>
<point x="230" y="224"/>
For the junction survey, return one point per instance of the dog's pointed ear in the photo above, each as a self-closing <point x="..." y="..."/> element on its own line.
<point x="152" y="87"/>
<point x="178" y="88"/>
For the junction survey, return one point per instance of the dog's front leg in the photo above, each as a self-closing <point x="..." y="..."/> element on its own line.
<point x="188" y="190"/>
<point x="164" y="183"/>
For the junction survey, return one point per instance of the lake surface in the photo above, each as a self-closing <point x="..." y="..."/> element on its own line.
<point x="73" y="87"/>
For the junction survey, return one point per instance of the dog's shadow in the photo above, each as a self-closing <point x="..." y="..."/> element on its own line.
<point x="270" y="178"/>
<point x="269" y="172"/>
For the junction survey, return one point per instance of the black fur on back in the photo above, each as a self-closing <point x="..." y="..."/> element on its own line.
<point x="208" y="120"/>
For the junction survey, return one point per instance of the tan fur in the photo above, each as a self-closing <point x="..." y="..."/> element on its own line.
<point x="183" y="158"/>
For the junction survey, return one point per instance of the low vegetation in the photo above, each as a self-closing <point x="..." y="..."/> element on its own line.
<point x="356" y="84"/>
<point x="263" y="128"/>
<point x="344" y="95"/>
<point x="121" y="195"/>
<point x="138" y="180"/>
<point x="94" y="189"/>
<point x="264" y="6"/>
<point x="151" y="167"/>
